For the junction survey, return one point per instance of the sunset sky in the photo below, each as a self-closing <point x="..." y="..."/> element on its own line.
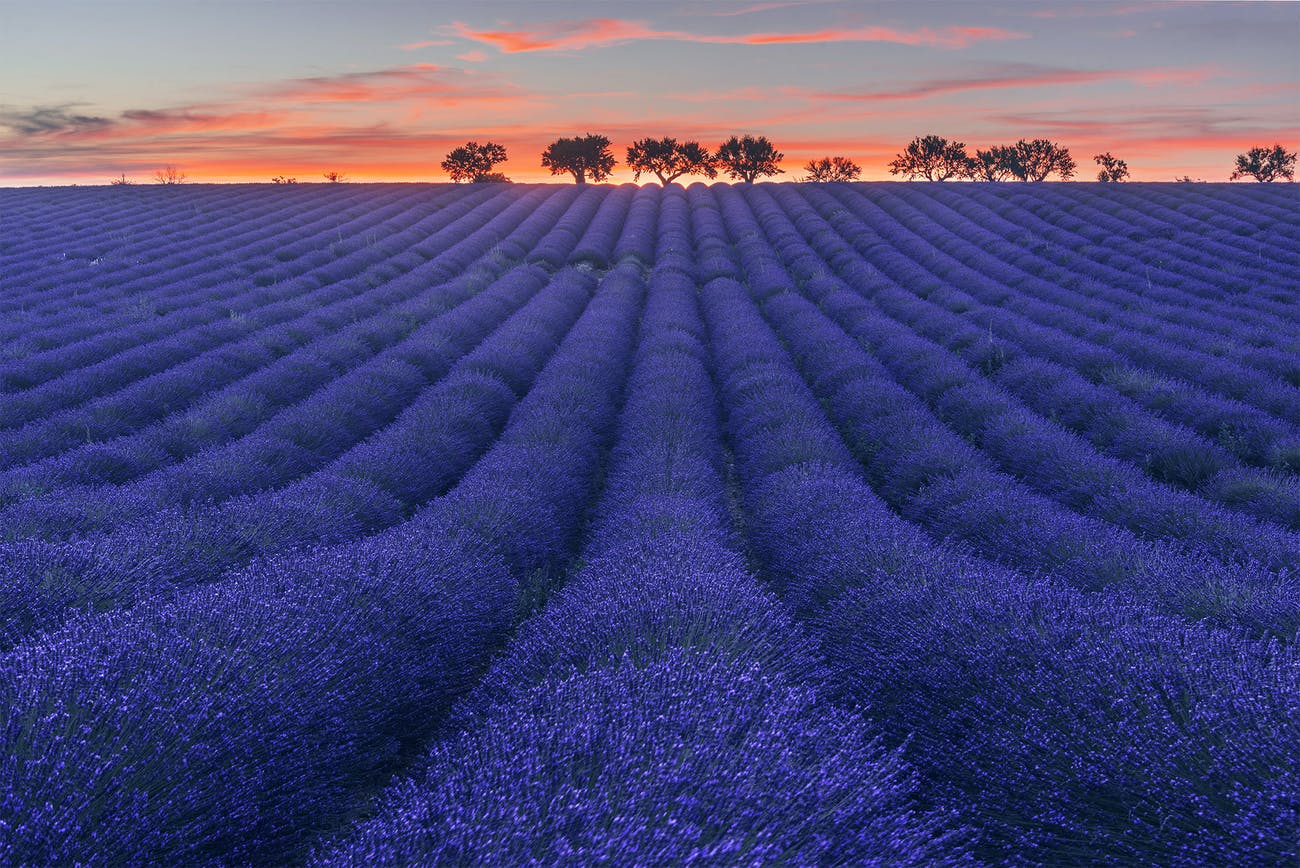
<point x="242" y="91"/>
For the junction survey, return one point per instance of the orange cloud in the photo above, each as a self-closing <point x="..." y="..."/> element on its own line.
<point x="604" y="32"/>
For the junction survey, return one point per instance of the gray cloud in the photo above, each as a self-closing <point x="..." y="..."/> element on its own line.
<point x="47" y="119"/>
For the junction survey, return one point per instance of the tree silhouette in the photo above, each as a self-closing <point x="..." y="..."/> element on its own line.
<point x="832" y="169"/>
<point x="669" y="160"/>
<point x="1113" y="170"/>
<point x="335" y="177"/>
<point x="995" y="164"/>
<point x="1035" y="160"/>
<point x="578" y="156"/>
<point x="169" y="175"/>
<point x="472" y="161"/>
<point x="746" y="158"/>
<point x="1265" y="164"/>
<point x="933" y="158"/>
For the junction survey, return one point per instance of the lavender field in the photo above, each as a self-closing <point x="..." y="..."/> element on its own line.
<point x="907" y="524"/>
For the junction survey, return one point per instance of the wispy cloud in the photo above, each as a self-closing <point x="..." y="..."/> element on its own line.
<point x="335" y="119"/>
<point x="422" y="81"/>
<point x="47" y="119"/>
<point x="605" y="32"/>
<point x="754" y="8"/>
<point x="425" y="43"/>
<point x="1102" y="9"/>
<point x="1005" y="76"/>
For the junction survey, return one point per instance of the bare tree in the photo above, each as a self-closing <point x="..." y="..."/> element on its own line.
<point x="832" y="169"/>
<point x="121" y="181"/>
<point x="169" y="175"/>
<point x="1113" y="170"/>
<point x="335" y="177"/>
<point x="749" y="157"/>
<point x="1035" y="160"/>
<point x="579" y="156"/>
<point x="669" y="160"/>
<point x="472" y="161"/>
<point x="1265" y="164"/>
<point x="933" y="158"/>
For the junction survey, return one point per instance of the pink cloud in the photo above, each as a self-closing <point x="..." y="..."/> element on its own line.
<point x="424" y="43"/>
<point x="474" y="56"/>
<point x="604" y="32"/>
<point x="423" y="81"/>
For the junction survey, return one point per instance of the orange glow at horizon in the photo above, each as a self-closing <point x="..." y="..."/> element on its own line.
<point x="817" y="81"/>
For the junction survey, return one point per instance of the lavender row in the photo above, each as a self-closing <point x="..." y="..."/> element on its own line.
<point x="294" y="441"/>
<point x="147" y="351"/>
<point x="242" y="717"/>
<point x="151" y="402"/>
<point x="935" y="477"/>
<point x="1250" y="434"/>
<point x="554" y="249"/>
<point x="37" y="266"/>
<point x="152" y="283"/>
<point x="369" y="487"/>
<point x="941" y="481"/>
<point x="1138" y="237"/>
<point x="229" y="413"/>
<point x="153" y="550"/>
<point x="1037" y="452"/>
<point x="1215" y="246"/>
<point x="1127" y="288"/>
<point x="1055" y="306"/>
<point x="1084" y="299"/>
<point x="1063" y="726"/>
<point x="242" y="229"/>
<point x="150" y="313"/>
<point x="286" y="364"/>
<point x="1111" y="422"/>
<point x="661" y="707"/>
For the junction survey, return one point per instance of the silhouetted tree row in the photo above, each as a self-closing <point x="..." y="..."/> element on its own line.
<point x="935" y="158"/>
<point x="586" y="157"/>
<point x="748" y="158"/>
<point x="744" y="158"/>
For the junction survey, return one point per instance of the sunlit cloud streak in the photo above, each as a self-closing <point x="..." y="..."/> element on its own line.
<point x="1101" y="10"/>
<point x="754" y="8"/>
<point x="425" y="81"/>
<point x="1005" y="76"/>
<point x="606" y="32"/>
